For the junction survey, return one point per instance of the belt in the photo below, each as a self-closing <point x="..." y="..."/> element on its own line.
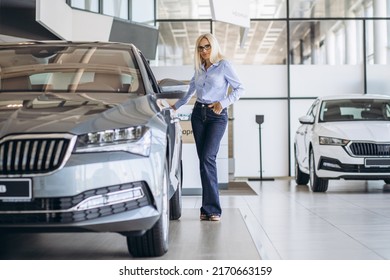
<point x="201" y="105"/>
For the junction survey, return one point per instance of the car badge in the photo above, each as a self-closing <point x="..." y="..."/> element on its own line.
<point x="3" y="189"/>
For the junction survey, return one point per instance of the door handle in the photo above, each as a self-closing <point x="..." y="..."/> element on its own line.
<point x="175" y="120"/>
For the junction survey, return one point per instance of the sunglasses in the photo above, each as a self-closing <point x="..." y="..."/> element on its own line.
<point x="205" y="47"/>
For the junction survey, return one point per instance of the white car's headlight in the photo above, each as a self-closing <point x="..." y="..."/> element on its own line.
<point x="136" y="140"/>
<point x="333" y="141"/>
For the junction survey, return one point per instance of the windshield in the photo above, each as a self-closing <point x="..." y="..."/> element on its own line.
<point x="355" y="110"/>
<point x="68" y="68"/>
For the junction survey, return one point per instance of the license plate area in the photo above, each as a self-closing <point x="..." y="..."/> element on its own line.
<point x="377" y="162"/>
<point x="15" y="189"/>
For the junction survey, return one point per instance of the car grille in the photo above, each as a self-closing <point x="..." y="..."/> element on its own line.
<point x="37" y="154"/>
<point x="48" y="206"/>
<point x="370" y="149"/>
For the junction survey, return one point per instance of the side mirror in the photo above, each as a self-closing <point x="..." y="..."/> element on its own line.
<point x="172" y="89"/>
<point x="306" y="120"/>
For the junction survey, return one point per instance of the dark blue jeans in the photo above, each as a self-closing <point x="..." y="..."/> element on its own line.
<point x="208" y="129"/>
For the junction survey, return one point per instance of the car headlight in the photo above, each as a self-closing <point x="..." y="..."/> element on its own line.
<point x="136" y="140"/>
<point x="333" y="141"/>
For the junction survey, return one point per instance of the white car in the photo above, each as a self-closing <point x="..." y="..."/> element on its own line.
<point x="343" y="137"/>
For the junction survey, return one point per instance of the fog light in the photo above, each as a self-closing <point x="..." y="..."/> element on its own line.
<point x="109" y="199"/>
<point x="332" y="165"/>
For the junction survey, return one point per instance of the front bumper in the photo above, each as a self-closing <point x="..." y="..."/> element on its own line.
<point x="334" y="168"/>
<point x="101" y="192"/>
<point x="334" y="162"/>
<point x="134" y="214"/>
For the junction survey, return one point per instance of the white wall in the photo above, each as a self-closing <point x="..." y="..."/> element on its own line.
<point x="378" y="79"/>
<point x="273" y="135"/>
<point x="320" y="80"/>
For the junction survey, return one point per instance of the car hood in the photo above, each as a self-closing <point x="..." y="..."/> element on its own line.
<point x="70" y="112"/>
<point x="378" y="131"/>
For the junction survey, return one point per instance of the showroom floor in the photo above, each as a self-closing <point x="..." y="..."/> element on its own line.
<point x="350" y="221"/>
<point x="280" y="221"/>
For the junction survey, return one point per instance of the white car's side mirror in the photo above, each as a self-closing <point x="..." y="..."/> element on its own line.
<point x="306" y="120"/>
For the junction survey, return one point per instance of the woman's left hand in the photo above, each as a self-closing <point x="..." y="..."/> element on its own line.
<point x="216" y="107"/>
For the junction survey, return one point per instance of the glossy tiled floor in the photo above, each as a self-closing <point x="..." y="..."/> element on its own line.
<point x="351" y="221"/>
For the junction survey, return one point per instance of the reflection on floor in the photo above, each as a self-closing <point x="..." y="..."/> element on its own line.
<point x="351" y="221"/>
<point x="228" y="239"/>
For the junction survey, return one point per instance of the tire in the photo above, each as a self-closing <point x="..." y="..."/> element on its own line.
<point x="316" y="184"/>
<point x="175" y="203"/>
<point x="154" y="243"/>
<point x="301" y="178"/>
<point x="387" y="181"/>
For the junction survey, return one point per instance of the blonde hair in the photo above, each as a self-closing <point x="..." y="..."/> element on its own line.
<point x="215" y="55"/>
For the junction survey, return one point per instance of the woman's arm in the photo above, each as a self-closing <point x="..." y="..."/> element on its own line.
<point x="237" y="88"/>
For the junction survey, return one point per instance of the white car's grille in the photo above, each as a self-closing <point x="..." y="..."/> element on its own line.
<point x="37" y="155"/>
<point x="370" y="149"/>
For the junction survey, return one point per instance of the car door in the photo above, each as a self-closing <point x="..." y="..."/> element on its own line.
<point x="304" y="135"/>
<point x="173" y="131"/>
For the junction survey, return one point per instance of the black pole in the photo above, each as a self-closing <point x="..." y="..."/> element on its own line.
<point x="260" y="120"/>
<point x="261" y="165"/>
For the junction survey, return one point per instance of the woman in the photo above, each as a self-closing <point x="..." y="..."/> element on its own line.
<point x="212" y="78"/>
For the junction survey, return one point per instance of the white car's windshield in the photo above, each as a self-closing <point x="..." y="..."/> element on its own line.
<point x="71" y="68"/>
<point x="355" y="110"/>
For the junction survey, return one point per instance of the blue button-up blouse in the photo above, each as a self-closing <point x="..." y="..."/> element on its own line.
<point x="212" y="85"/>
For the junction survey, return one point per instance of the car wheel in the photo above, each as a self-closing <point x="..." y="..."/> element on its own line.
<point x="387" y="181"/>
<point x="316" y="184"/>
<point x="175" y="203"/>
<point x="154" y="242"/>
<point x="301" y="178"/>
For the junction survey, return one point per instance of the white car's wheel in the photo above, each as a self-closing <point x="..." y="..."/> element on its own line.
<point x="154" y="242"/>
<point x="316" y="184"/>
<point x="301" y="178"/>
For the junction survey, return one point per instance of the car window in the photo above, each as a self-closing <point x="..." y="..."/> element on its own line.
<point x="151" y="79"/>
<point x="355" y="110"/>
<point x="70" y="68"/>
<point x="313" y="109"/>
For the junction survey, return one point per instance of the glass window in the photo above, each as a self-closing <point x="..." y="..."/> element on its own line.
<point x="313" y="109"/>
<point x="116" y="8"/>
<point x="377" y="32"/>
<point x="354" y="110"/>
<point x="325" y="8"/>
<point x="183" y="9"/>
<point x="268" y="9"/>
<point x="332" y="42"/>
<point x="177" y="41"/>
<point x="69" y="68"/>
<point x="378" y="56"/>
<point x="142" y="11"/>
<point x="89" y="5"/>
<point x="263" y="43"/>
<point x="200" y="9"/>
